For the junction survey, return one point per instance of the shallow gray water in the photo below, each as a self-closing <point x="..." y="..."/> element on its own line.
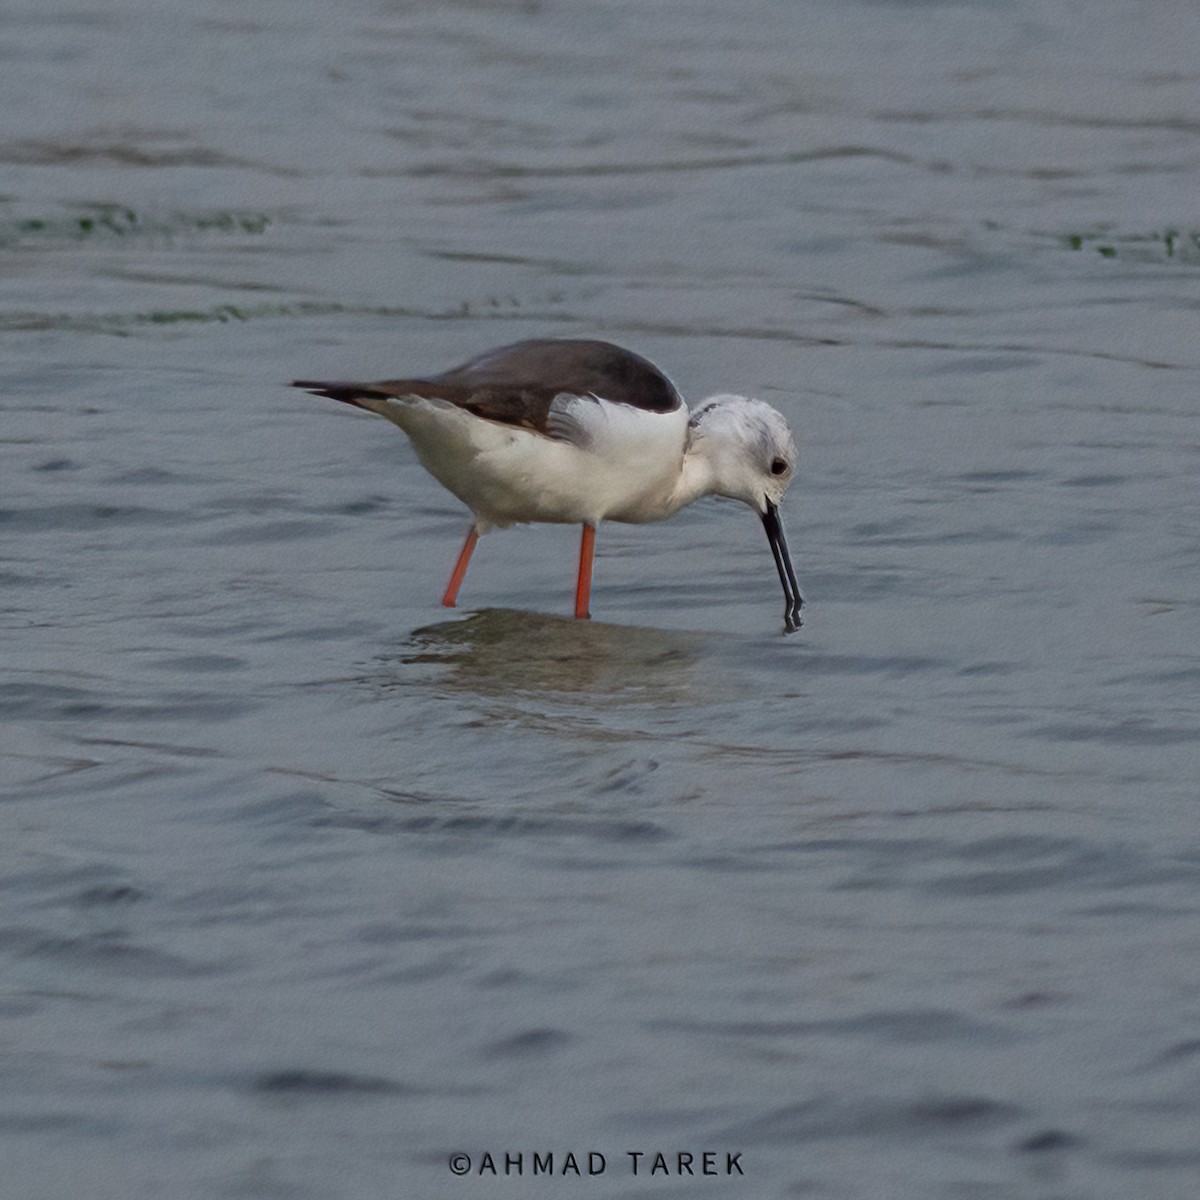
<point x="309" y="884"/>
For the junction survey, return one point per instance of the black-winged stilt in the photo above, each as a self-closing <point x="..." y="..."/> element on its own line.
<point x="572" y="431"/>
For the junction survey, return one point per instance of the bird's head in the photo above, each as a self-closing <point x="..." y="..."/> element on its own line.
<point x="750" y="455"/>
<point x="749" y="449"/>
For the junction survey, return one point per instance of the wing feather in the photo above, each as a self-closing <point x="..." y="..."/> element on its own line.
<point x="545" y="385"/>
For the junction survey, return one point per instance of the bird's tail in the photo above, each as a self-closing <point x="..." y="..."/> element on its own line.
<point x="347" y="393"/>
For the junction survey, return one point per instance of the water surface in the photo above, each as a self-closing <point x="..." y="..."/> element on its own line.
<point x="309" y="884"/>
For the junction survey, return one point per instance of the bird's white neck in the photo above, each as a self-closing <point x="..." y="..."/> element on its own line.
<point x="698" y="477"/>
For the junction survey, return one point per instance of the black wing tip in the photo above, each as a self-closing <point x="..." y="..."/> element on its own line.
<point x="320" y="387"/>
<point x="347" y="393"/>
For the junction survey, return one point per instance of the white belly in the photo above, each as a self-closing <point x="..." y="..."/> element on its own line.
<point x="626" y="470"/>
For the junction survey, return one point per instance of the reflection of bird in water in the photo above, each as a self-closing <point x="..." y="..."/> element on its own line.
<point x="573" y="431"/>
<point x="509" y="655"/>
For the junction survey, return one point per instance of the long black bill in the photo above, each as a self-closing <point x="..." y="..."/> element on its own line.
<point x="787" y="573"/>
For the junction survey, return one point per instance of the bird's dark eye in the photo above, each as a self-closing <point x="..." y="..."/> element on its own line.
<point x="779" y="466"/>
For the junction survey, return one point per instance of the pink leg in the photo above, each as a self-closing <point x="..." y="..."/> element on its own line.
<point x="460" y="568"/>
<point x="583" y="587"/>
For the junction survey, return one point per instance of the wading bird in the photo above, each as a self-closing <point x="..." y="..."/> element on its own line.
<point x="578" y="432"/>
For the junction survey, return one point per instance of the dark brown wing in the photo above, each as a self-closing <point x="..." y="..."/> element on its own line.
<point x="528" y="407"/>
<point x="577" y="367"/>
<point x="517" y="384"/>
